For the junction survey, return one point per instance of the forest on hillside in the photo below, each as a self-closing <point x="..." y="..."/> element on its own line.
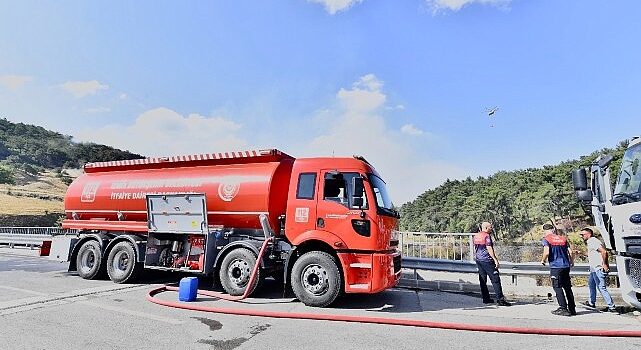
<point x="31" y="149"/>
<point x="515" y="201"/>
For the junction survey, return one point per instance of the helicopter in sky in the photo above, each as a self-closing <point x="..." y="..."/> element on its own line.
<point x="490" y="114"/>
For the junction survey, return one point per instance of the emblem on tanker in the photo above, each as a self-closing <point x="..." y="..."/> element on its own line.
<point x="89" y="192"/>
<point x="227" y="190"/>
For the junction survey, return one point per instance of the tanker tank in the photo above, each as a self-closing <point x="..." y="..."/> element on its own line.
<point x="239" y="186"/>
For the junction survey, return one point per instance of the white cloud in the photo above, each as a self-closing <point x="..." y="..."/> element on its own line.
<point x="164" y="132"/>
<point x="364" y="96"/>
<point x="98" y="110"/>
<point x="14" y="82"/>
<point x="410" y="129"/>
<point x="455" y="5"/>
<point x="397" y="107"/>
<point x="335" y="6"/>
<point x="358" y="127"/>
<point x="83" y="88"/>
<point x="354" y="124"/>
<point x="123" y="96"/>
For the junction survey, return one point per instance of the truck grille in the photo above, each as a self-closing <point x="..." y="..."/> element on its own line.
<point x="634" y="272"/>
<point x="397" y="263"/>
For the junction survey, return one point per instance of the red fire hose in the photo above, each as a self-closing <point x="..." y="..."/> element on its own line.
<point x="366" y="319"/>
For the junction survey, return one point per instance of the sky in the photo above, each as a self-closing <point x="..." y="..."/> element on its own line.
<point x="406" y="84"/>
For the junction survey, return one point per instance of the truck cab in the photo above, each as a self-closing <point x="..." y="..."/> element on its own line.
<point x="341" y="206"/>
<point x="617" y="213"/>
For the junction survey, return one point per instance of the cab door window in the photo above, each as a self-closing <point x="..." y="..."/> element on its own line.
<point x="337" y="187"/>
<point x="306" y="186"/>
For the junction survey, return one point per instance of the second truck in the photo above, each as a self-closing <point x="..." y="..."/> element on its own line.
<point x="333" y="224"/>
<point x="617" y="214"/>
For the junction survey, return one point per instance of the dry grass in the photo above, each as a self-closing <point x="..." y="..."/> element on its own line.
<point x="10" y="205"/>
<point x="44" y="195"/>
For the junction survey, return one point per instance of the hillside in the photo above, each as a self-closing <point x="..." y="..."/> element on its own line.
<point x="515" y="201"/>
<point x="36" y="166"/>
<point x="26" y="150"/>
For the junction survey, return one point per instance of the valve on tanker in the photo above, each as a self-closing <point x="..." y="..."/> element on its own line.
<point x="176" y="248"/>
<point x="176" y="251"/>
<point x="170" y="255"/>
<point x="165" y="259"/>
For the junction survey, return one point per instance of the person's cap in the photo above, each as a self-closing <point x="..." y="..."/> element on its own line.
<point x="547" y="227"/>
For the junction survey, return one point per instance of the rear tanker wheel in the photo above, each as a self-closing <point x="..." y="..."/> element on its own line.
<point x="122" y="264"/>
<point x="236" y="270"/>
<point x="316" y="280"/>
<point x="89" y="261"/>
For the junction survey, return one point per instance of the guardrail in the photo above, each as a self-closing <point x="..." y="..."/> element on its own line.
<point x="506" y="268"/>
<point x="450" y="246"/>
<point x="416" y="249"/>
<point x="31" y="241"/>
<point x="29" y="236"/>
<point x="49" y="231"/>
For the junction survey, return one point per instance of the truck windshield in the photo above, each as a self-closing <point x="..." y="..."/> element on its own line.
<point x="628" y="185"/>
<point x="383" y="200"/>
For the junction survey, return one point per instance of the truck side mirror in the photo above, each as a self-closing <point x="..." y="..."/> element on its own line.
<point x="580" y="180"/>
<point x="357" y="185"/>
<point x="584" y="195"/>
<point x="359" y="189"/>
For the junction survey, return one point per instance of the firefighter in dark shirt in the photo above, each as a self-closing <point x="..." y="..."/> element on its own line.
<point x="488" y="265"/>
<point x="557" y="251"/>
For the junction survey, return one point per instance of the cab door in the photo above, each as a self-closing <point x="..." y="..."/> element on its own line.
<point x="336" y="212"/>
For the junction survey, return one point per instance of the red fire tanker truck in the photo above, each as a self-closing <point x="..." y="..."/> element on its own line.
<point x="335" y="229"/>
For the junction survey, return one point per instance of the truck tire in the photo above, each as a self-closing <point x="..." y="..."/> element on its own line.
<point x="316" y="280"/>
<point x="122" y="265"/>
<point x="236" y="270"/>
<point x="89" y="261"/>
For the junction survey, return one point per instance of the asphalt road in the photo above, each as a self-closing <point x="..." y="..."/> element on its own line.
<point x="44" y="307"/>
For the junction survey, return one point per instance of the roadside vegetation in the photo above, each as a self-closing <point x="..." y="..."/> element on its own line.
<point x="517" y="202"/>
<point x="36" y="166"/>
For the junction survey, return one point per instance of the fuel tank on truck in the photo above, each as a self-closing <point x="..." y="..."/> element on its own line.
<point x="238" y="185"/>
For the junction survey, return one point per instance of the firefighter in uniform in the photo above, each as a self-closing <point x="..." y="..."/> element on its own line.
<point x="488" y="265"/>
<point x="557" y="251"/>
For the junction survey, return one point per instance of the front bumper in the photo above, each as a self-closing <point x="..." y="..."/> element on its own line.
<point x="370" y="273"/>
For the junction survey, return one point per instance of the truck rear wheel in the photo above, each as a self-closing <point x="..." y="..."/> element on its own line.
<point x="236" y="270"/>
<point x="89" y="261"/>
<point x="316" y="280"/>
<point x="122" y="265"/>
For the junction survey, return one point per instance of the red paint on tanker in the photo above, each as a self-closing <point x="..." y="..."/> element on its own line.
<point x="236" y="193"/>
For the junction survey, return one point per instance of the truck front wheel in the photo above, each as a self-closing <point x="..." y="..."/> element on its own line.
<point x="89" y="261"/>
<point x="316" y="280"/>
<point x="236" y="270"/>
<point x="122" y="265"/>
